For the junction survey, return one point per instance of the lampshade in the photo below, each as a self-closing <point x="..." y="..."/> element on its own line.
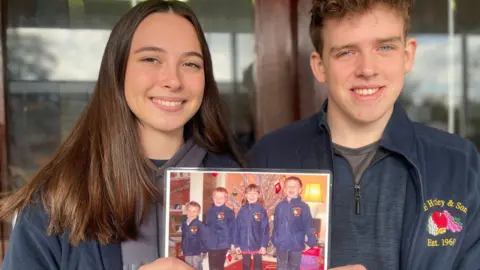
<point x="313" y="193"/>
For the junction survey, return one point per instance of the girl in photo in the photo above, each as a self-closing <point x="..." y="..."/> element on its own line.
<point x="252" y="229"/>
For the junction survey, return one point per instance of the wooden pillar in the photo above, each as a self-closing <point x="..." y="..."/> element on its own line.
<point x="276" y="80"/>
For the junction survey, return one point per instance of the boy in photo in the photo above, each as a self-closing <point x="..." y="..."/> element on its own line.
<point x="292" y="222"/>
<point x="220" y="223"/>
<point x="192" y="230"/>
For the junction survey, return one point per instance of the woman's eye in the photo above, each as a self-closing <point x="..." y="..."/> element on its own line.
<point x="192" y="65"/>
<point x="150" y="60"/>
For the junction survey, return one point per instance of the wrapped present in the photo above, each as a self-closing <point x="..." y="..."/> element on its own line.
<point x="311" y="259"/>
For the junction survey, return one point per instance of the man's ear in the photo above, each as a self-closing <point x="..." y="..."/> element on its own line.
<point x="318" y="67"/>
<point x="410" y="50"/>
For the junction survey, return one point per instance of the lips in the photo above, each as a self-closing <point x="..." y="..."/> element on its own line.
<point x="366" y="91"/>
<point x="171" y="105"/>
<point x="168" y="103"/>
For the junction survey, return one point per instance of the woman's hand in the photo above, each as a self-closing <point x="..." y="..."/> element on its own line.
<point x="167" y="264"/>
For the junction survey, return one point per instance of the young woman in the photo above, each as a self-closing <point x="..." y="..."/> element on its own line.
<point x="98" y="203"/>
<point x="252" y="233"/>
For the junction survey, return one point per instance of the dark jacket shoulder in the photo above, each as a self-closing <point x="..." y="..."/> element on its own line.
<point x="284" y="142"/>
<point x="219" y="160"/>
<point x="427" y="136"/>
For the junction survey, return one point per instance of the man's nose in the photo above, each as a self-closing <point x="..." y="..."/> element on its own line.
<point x="366" y="66"/>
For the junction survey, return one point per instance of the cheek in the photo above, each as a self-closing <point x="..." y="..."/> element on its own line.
<point x="340" y="71"/>
<point x="138" y="81"/>
<point x="195" y="83"/>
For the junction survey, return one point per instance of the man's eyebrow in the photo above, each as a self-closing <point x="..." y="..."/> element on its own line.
<point x="352" y="45"/>
<point x="389" y="39"/>
<point x="342" y="47"/>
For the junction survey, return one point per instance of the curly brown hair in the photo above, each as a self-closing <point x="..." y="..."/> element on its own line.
<point x="335" y="9"/>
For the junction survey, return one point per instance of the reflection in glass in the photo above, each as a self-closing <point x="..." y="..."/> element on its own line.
<point x="442" y="89"/>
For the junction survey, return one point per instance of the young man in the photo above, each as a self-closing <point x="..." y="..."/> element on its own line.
<point x="406" y="196"/>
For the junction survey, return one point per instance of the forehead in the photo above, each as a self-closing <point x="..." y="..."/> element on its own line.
<point x="168" y="31"/>
<point x="379" y="22"/>
<point x="292" y="182"/>
<point x="219" y="193"/>
<point x="193" y="207"/>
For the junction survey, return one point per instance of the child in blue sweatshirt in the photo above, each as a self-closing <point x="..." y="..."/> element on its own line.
<point x="252" y="229"/>
<point x="192" y="237"/>
<point x="220" y="223"/>
<point x="292" y="222"/>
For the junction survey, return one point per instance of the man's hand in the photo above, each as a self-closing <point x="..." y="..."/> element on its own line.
<point x="263" y="251"/>
<point x="350" y="267"/>
<point x="238" y="251"/>
<point x="167" y="264"/>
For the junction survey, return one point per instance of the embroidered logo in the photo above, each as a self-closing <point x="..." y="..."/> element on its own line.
<point x="257" y="216"/>
<point x="440" y="222"/>
<point x="297" y="211"/>
<point x="220" y="216"/>
<point x="193" y="229"/>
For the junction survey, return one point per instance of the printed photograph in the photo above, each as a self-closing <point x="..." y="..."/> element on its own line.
<point x="248" y="220"/>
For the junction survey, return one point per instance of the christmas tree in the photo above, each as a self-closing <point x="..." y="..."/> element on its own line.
<point x="271" y="186"/>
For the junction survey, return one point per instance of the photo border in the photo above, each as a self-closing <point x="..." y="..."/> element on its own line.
<point x="329" y="193"/>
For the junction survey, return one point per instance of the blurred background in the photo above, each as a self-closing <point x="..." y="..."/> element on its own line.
<point x="51" y="51"/>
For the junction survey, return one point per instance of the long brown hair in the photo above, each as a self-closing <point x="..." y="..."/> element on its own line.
<point x="97" y="182"/>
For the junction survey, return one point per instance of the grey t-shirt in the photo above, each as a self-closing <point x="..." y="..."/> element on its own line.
<point x="370" y="186"/>
<point x="359" y="158"/>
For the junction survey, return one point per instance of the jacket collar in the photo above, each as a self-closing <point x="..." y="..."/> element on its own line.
<point x="193" y="222"/>
<point x="218" y="207"/>
<point x="111" y="255"/>
<point x="253" y="205"/>
<point x="295" y="200"/>
<point x="398" y="136"/>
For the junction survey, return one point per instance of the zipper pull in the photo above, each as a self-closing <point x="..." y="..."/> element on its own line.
<point x="357" y="199"/>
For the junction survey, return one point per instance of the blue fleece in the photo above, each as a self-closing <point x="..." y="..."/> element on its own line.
<point x="292" y="222"/>
<point x="192" y="238"/>
<point x="221" y="227"/>
<point x="252" y="229"/>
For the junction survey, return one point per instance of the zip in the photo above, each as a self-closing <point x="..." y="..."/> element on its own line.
<point x="357" y="199"/>
<point x="248" y="228"/>
<point x="357" y="186"/>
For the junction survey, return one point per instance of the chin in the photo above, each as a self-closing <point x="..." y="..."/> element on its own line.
<point x="170" y="128"/>
<point x="368" y="117"/>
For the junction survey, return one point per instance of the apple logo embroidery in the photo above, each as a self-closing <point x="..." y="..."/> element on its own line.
<point x="440" y="222"/>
